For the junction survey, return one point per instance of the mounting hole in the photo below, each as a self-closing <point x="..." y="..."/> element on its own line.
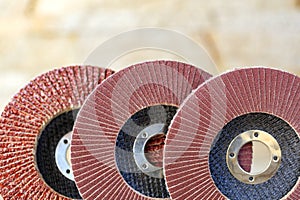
<point x="251" y="179"/>
<point x="68" y="171"/>
<point x="145" y="166"/>
<point x="256" y="134"/>
<point x="154" y="150"/>
<point x="66" y="141"/>
<point x="275" y="158"/>
<point x="145" y="135"/>
<point x="231" y="155"/>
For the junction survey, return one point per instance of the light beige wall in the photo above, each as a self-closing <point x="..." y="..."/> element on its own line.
<point x="39" y="35"/>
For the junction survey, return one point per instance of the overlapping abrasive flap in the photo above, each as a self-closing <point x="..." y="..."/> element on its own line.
<point x="30" y="125"/>
<point x="219" y="110"/>
<point x="141" y="97"/>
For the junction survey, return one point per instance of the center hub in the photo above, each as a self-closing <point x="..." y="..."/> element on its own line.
<point x="63" y="156"/>
<point x="140" y="146"/>
<point x="253" y="157"/>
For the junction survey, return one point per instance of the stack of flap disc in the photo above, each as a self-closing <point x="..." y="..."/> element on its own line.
<point x="154" y="130"/>
<point x="118" y="137"/>
<point x="35" y="134"/>
<point x="237" y="137"/>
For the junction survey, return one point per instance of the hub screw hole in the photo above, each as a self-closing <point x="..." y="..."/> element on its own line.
<point x="65" y="141"/>
<point x="145" y="166"/>
<point x="231" y="155"/>
<point x="145" y="135"/>
<point x="256" y="134"/>
<point x="251" y="179"/>
<point x="275" y="158"/>
<point x="68" y="171"/>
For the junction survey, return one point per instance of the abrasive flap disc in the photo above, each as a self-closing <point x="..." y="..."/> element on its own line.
<point x="237" y="137"/>
<point x="118" y="138"/>
<point x="35" y="134"/>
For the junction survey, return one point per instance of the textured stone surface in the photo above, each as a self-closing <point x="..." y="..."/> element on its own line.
<point x="39" y="35"/>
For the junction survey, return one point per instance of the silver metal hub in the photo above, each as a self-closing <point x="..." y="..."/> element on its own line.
<point x="63" y="156"/>
<point x="139" y="150"/>
<point x="267" y="157"/>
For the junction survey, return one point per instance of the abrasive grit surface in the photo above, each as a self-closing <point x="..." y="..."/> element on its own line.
<point x="42" y="103"/>
<point x="124" y="98"/>
<point x="194" y="143"/>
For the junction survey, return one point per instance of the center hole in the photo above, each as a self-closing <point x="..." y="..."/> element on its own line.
<point x="154" y="150"/>
<point x="254" y="157"/>
<point x="68" y="155"/>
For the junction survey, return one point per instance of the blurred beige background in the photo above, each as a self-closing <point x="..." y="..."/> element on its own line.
<point x="39" y="35"/>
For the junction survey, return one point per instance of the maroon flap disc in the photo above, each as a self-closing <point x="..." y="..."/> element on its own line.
<point x="35" y="134"/>
<point x="237" y="137"/>
<point x="119" y="134"/>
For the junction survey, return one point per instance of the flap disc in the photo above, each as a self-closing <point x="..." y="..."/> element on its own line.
<point x="237" y="137"/>
<point x="35" y="134"/>
<point x="118" y="138"/>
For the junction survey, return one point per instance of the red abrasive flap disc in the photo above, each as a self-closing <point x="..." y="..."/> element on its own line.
<point x="35" y="134"/>
<point x="237" y="137"/>
<point x="119" y="134"/>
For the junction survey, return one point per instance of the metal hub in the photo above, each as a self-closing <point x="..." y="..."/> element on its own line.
<point x="63" y="156"/>
<point x="268" y="157"/>
<point x="139" y="150"/>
